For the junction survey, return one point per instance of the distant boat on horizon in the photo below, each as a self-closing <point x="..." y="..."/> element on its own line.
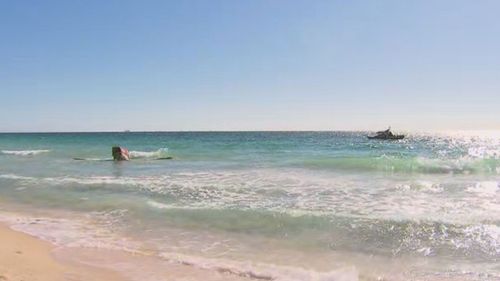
<point x="386" y="135"/>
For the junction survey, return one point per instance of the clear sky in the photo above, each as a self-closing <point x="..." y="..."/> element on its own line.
<point x="249" y="65"/>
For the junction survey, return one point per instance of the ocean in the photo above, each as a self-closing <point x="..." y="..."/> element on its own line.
<point x="265" y="205"/>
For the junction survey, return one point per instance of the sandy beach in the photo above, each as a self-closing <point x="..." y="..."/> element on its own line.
<point x="26" y="258"/>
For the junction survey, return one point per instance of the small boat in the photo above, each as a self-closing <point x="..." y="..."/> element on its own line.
<point x="386" y="135"/>
<point x="393" y="137"/>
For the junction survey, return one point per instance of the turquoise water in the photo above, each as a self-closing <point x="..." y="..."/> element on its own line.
<point x="312" y="201"/>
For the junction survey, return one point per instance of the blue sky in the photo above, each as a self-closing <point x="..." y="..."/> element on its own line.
<point x="249" y="65"/>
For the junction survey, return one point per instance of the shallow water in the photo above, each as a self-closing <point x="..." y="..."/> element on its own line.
<point x="275" y="205"/>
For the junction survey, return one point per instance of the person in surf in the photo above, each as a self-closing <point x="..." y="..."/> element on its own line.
<point x="120" y="153"/>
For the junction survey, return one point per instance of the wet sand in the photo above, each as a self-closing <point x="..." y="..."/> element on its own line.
<point x="26" y="258"/>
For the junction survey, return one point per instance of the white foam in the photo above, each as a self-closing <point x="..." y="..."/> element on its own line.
<point x="158" y="205"/>
<point x="25" y="152"/>
<point x="91" y="180"/>
<point x="162" y="206"/>
<point x="94" y="180"/>
<point x="421" y="186"/>
<point x="430" y="186"/>
<point x="262" y="271"/>
<point x="485" y="236"/>
<point x="162" y="152"/>
<point x="15" y="177"/>
<point x="483" y="152"/>
<point x="298" y="194"/>
<point x="485" y="188"/>
<point x="63" y="232"/>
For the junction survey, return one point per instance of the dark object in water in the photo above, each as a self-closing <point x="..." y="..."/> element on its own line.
<point x="120" y="153"/>
<point x="386" y="135"/>
<point x="165" y="158"/>
<point x="394" y="137"/>
<point x="91" y="159"/>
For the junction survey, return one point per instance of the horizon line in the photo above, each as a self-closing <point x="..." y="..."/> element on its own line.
<point x="235" y="131"/>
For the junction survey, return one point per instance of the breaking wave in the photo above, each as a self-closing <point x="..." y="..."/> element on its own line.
<point x="420" y="238"/>
<point x="160" y="153"/>
<point x="401" y="215"/>
<point x="463" y="165"/>
<point x="298" y="192"/>
<point x="25" y="152"/>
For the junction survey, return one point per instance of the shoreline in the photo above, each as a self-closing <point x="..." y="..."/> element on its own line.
<point x="28" y="258"/>
<point x="24" y="257"/>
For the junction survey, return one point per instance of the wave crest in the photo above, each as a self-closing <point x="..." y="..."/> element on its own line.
<point x="464" y="165"/>
<point x="162" y="152"/>
<point x="25" y="152"/>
